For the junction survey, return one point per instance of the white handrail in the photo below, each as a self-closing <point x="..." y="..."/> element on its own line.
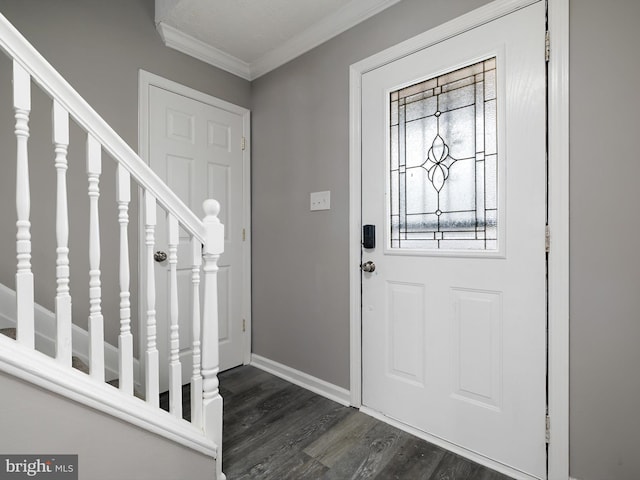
<point x="207" y="244"/>
<point x="50" y="81"/>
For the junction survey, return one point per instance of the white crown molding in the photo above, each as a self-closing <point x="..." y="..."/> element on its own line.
<point x="348" y="16"/>
<point x="189" y="45"/>
<point x="343" y="19"/>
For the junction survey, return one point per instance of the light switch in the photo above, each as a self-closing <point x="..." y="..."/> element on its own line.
<point x="321" y="200"/>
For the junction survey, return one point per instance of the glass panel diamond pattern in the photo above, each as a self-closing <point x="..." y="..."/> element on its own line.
<point x="444" y="162"/>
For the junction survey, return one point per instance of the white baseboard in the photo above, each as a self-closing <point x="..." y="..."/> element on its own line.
<point x="46" y="333"/>
<point x="304" y="380"/>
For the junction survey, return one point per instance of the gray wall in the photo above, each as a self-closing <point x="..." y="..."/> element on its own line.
<point x="300" y="144"/>
<point x="605" y="263"/>
<point x="300" y="275"/>
<point x="37" y="422"/>
<point x="98" y="46"/>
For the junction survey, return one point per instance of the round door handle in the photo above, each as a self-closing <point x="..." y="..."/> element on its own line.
<point x="160" y="256"/>
<point x="368" y="266"/>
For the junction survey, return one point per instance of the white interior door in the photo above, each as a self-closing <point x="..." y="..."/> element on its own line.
<point x="196" y="148"/>
<point x="454" y="179"/>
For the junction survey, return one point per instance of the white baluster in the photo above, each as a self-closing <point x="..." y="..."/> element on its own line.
<point x="125" y="339"/>
<point x="196" y="377"/>
<point x="175" y="374"/>
<point x="63" y="298"/>
<point x="211" y="399"/>
<point x="24" y="276"/>
<point x="152" y="374"/>
<point x="96" y="322"/>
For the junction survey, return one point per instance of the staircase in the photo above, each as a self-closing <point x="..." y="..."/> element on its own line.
<point x="55" y="372"/>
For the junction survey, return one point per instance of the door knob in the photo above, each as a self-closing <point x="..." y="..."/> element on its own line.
<point x="160" y="256"/>
<point x="368" y="266"/>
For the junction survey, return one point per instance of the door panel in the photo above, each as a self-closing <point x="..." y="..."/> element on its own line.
<point x="196" y="149"/>
<point x="453" y="175"/>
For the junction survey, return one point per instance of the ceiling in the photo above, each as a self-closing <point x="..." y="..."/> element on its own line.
<point x="252" y="37"/>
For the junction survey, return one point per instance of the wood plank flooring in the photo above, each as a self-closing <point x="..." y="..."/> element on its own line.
<point x="274" y="430"/>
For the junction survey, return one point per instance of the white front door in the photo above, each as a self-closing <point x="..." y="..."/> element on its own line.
<point x="454" y="180"/>
<point x="197" y="149"/>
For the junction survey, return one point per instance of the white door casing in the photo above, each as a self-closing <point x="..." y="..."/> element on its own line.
<point x="454" y="341"/>
<point x="199" y="146"/>
<point x="558" y="206"/>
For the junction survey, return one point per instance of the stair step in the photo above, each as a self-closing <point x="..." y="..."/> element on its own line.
<point x="9" y="332"/>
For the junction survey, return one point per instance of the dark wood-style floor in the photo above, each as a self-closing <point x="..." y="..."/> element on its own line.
<point x="276" y="430"/>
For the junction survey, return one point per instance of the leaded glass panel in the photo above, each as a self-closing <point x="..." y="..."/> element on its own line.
<point x="443" y="175"/>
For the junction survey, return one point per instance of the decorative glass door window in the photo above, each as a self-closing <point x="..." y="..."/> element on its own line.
<point x="444" y="162"/>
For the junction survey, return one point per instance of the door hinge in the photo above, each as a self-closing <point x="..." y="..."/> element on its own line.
<point x="547" y="46"/>
<point x="244" y="325"/>
<point x="243" y="143"/>
<point x="547" y="429"/>
<point x="547" y="239"/>
<point x="244" y="235"/>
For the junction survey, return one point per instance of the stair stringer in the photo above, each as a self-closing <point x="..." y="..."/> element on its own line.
<point x="45" y="424"/>
<point x="39" y="369"/>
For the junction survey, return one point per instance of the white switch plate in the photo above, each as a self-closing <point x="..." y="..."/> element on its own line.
<point x="320" y="200"/>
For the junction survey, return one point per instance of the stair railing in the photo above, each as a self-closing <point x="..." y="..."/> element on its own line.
<point x="207" y="243"/>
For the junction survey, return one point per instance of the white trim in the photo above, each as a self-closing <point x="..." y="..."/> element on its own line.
<point x="304" y="380"/>
<point x="468" y="21"/>
<point x="46" y="336"/>
<point x="452" y="447"/>
<point x="340" y="21"/>
<point x="558" y="205"/>
<point x="558" y="78"/>
<point x="189" y="45"/>
<point x="147" y="79"/>
<point x="246" y="250"/>
<point x="37" y="368"/>
<point x="355" y="227"/>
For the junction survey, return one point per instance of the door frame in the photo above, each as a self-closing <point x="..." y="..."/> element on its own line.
<point x="146" y="80"/>
<point x="558" y="206"/>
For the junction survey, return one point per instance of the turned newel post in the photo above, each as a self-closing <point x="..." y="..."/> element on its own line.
<point x="211" y="399"/>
